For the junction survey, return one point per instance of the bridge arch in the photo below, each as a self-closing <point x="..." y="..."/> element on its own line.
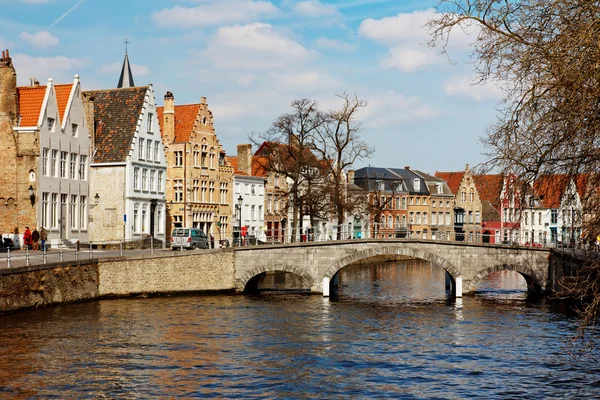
<point x="534" y="281"/>
<point x="392" y="250"/>
<point x="249" y="276"/>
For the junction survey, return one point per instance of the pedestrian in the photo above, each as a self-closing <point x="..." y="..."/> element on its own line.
<point x="43" y="237"/>
<point x="212" y="241"/>
<point x="27" y="237"/>
<point x="35" y="237"/>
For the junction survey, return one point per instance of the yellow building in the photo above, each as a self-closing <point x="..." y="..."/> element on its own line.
<point x="199" y="179"/>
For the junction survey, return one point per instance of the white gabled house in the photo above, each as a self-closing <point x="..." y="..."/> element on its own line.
<point x="128" y="166"/>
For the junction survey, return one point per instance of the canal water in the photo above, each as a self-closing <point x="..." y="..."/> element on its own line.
<point x="388" y="332"/>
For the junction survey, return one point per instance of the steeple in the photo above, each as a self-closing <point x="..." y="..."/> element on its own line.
<point x="126" y="78"/>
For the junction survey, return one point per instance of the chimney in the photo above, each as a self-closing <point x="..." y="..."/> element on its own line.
<point x="467" y="167"/>
<point x="203" y="100"/>
<point x="168" y="126"/>
<point x="88" y="112"/>
<point x="351" y="176"/>
<point x="34" y="82"/>
<point x="244" y="154"/>
<point x="8" y="91"/>
<point x="407" y="167"/>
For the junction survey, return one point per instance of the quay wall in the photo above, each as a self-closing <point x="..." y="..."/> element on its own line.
<point x="66" y="282"/>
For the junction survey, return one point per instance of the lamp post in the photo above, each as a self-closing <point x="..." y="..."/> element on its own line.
<point x="238" y="207"/>
<point x="31" y="192"/>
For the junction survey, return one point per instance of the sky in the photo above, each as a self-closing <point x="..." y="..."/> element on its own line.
<point x="252" y="58"/>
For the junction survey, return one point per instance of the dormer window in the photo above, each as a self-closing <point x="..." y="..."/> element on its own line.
<point x="440" y="188"/>
<point x="51" y="123"/>
<point x="417" y="184"/>
<point x="399" y="187"/>
<point x="379" y="185"/>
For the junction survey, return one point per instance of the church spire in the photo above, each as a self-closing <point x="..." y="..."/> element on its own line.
<point x="126" y="78"/>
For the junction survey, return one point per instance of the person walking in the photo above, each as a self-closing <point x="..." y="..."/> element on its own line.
<point x="35" y="237"/>
<point x="43" y="238"/>
<point x="27" y="237"/>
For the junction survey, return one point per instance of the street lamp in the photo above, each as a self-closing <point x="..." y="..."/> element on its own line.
<point x="31" y="195"/>
<point x="238" y="207"/>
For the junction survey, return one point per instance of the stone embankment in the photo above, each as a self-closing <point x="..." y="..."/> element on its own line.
<point x="197" y="271"/>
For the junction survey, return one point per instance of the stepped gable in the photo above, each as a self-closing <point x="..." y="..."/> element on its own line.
<point x="116" y="115"/>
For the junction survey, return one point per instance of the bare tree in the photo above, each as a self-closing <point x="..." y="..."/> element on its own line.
<point x="546" y="54"/>
<point x="339" y="146"/>
<point x="286" y="148"/>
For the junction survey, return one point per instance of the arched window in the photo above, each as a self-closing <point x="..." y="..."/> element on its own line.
<point x="404" y="203"/>
<point x="397" y="203"/>
<point x="404" y="220"/>
<point x="471" y="196"/>
<point x="390" y="222"/>
<point x="397" y="221"/>
<point x="463" y="195"/>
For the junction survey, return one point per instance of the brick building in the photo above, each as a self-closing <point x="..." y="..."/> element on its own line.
<point x="45" y="158"/>
<point x="199" y="179"/>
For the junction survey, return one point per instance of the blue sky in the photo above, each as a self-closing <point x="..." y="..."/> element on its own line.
<point x="251" y="58"/>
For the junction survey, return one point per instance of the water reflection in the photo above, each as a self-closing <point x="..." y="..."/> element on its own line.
<point x="391" y="332"/>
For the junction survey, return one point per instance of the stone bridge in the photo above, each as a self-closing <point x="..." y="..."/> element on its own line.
<point x="465" y="263"/>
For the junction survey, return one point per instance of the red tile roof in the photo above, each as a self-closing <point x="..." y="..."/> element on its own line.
<point x="31" y="99"/>
<point x="116" y="114"/>
<point x="453" y="179"/>
<point x="259" y="164"/>
<point x="185" y="119"/>
<point x="489" y="188"/>
<point x="62" y="98"/>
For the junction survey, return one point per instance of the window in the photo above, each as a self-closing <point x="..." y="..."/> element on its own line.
<point x="260" y="213"/>
<point x="440" y="188"/>
<point x="404" y="220"/>
<point x="418" y="201"/>
<point x="178" y="190"/>
<point x="149" y="150"/>
<point x="82" y="212"/>
<point x="45" y="209"/>
<point x="152" y="180"/>
<point x="74" y="130"/>
<point x="63" y="164"/>
<point x="136" y="218"/>
<point x="412" y="218"/>
<point x="477" y="217"/>
<point x="73" y="166"/>
<point x="82" y="167"/>
<point x="447" y="218"/>
<point x="470" y="217"/>
<point x="45" y="153"/>
<point x="276" y="180"/>
<point x="150" y="122"/>
<point x="540" y="218"/>
<point x="554" y="216"/>
<point x="424" y="201"/>
<point x="178" y="158"/>
<point x="417" y="184"/>
<point x="54" y="165"/>
<point x="471" y="196"/>
<point x="54" y="211"/>
<point x="447" y="204"/>
<point x="433" y="218"/>
<point x="73" y="216"/>
<point x="203" y="192"/>
<point x="160" y="181"/>
<point x="276" y="204"/>
<point x="425" y="218"/>
<point x="463" y="196"/>
<point x="136" y="179"/>
<point x="51" y="123"/>
<point x="390" y="222"/>
<point x="380" y="185"/>
<point x="223" y="192"/>
<point x="144" y="218"/>
<point x="418" y="218"/>
<point x="404" y="203"/>
<point x="433" y="204"/>
<point x="253" y="212"/>
<point x="141" y="149"/>
<point x="157" y="151"/>
<point x="253" y="189"/>
<point x="269" y="208"/>
<point x="397" y="203"/>
<point x="410" y="200"/>
<point x="144" y="179"/>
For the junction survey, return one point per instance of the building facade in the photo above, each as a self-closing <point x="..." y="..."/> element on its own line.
<point x="45" y="151"/>
<point x="199" y="179"/>
<point x="128" y="168"/>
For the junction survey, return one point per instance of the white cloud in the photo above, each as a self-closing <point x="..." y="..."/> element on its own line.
<point x="408" y="59"/>
<point x="466" y="87"/>
<point x="115" y="68"/>
<point x="60" y="68"/>
<point x="389" y="109"/>
<point x="407" y="37"/>
<point x="315" y="9"/>
<point x="41" y="40"/>
<point x="215" y="13"/>
<point x="5" y="43"/>
<point x="254" y="46"/>
<point x="333" y="44"/>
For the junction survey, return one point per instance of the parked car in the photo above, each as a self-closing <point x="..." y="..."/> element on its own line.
<point x="188" y="238"/>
